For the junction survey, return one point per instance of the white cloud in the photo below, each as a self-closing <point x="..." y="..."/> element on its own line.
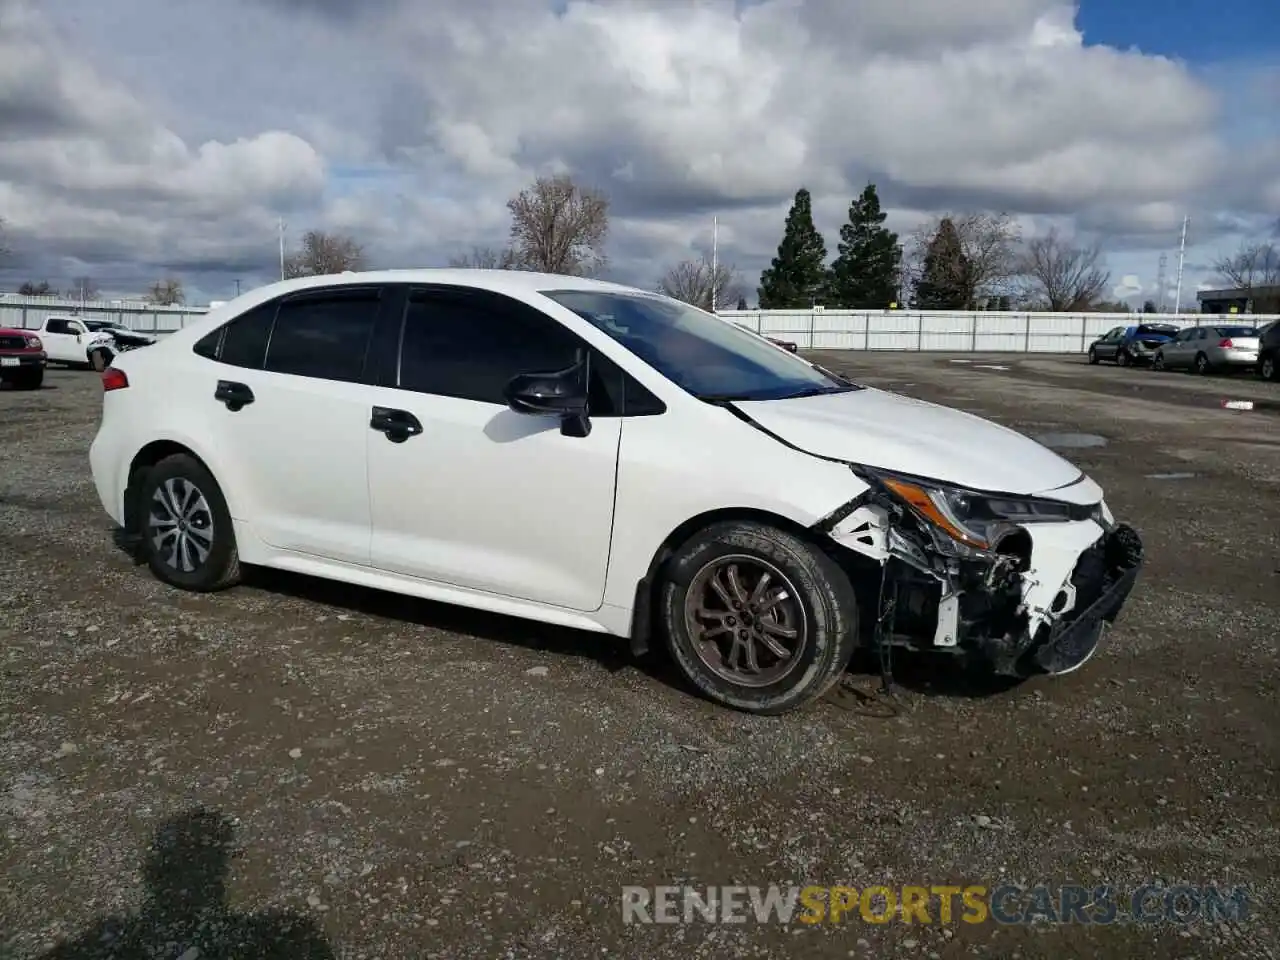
<point x="133" y="147"/>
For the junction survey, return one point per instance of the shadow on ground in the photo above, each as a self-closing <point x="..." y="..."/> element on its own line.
<point x="185" y="914"/>
<point x="912" y="673"/>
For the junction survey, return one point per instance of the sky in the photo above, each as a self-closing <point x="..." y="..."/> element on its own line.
<point x="147" y="138"/>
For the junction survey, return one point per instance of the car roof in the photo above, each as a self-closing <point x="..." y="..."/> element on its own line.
<point x="502" y="281"/>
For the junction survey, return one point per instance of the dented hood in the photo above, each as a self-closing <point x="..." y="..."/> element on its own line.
<point x="893" y="432"/>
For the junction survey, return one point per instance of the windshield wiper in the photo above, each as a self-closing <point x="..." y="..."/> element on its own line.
<point x="816" y="392"/>
<point x="723" y="398"/>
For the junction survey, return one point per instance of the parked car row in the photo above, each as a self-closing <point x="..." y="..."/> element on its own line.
<point x="1203" y="349"/>
<point x="69" y="341"/>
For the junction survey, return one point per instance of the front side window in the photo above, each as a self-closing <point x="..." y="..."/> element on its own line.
<point x="323" y="335"/>
<point x="707" y="357"/>
<point x="470" y="346"/>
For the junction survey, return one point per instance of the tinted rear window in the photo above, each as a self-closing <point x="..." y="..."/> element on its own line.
<point x="1237" y="331"/>
<point x="1161" y="328"/>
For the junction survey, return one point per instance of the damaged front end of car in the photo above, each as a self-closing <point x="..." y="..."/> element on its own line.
<point x="1026" y="584"/>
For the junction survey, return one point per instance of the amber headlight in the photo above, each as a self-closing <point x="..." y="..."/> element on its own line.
<point x="972" y="518"/>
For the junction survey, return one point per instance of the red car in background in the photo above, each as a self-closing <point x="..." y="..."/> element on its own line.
<point x="786" y="345"/>
<point x="22" y="359"/>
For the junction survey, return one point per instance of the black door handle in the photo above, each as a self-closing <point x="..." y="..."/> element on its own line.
<point x="234" y="395"/>
<point x="398" y="425"/>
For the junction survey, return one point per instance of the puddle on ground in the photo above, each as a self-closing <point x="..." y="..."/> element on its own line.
<point x="1171" y="476"/>
<point x="1071" y="441"/>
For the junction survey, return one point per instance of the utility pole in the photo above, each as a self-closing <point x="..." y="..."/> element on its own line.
<point x="237" y="288"/>
<point x="1160" y="280"/>
<point x="715" y="261"/>
<point x="1182" y="256"/>
<point x="281" y="226"/>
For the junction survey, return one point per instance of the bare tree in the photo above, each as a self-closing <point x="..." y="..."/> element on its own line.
<point x="559" y="227"/>
<point x="324" y="253"/>
<point x="698" y="283"/>
<point x="991" y="244"/>
<point x="1064" y="276"/>
<point x="166" y="292"/>
<point x="487" y="258"/>
<point x="1253" y="265"/>
<point x="41" y="289"/>
<point x="4" y="249"/>
<point x="84" y="288"/>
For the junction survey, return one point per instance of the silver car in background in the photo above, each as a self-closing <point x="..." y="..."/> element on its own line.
<point x="1205" y="349"/>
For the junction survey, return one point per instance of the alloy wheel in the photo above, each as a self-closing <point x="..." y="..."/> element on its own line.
<point x="180" y="525"/>
<point x="1269" y="368"/>
<point x="1157" y="362"/>
<point x="746" y="620"/>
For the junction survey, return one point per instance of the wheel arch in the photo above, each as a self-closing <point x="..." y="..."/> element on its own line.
<point x="646" y="597"/>
<point x="146" y="458"/>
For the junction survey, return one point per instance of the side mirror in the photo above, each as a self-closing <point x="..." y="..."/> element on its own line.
<point x="561" y="394"/>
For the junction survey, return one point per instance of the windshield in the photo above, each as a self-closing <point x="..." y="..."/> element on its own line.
<point x="1165" y="328"/>
<point x="710" y="358"/>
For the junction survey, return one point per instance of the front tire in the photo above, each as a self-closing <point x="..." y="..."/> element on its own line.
<point x="1093" y="355"/>
<point x="756" y="618"/>
<point x="1268" y="369"/>
<point x="30" y="379"/>
<point x="100" y="359"/>
<point x="1123" y="358"/>
<point x="185" y="526"/>
<point x="1202" y="364"/>
<point x="1157" y="362"/>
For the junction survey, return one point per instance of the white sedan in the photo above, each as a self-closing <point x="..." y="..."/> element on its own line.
<point x="591" y="455"/>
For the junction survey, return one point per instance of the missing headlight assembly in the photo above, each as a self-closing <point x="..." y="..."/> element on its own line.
<point x="1025" y="584"/>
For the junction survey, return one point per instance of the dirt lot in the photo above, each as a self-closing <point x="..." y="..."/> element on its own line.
<point x="388" y="778"/>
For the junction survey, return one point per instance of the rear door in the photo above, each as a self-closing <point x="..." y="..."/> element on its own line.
<point x="480" y="496"/>
<point x="287" y="407"/>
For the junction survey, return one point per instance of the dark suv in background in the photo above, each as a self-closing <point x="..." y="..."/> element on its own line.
<point x="1269" y="351"/>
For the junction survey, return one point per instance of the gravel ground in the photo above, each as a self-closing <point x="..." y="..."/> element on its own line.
<point x="351" y="774"/>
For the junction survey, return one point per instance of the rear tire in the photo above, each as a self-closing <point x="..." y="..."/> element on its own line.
<point x="798" y="628"/>
<point x="1123" y="358"/>
<point x="1157" y="362"/>
<point x="185" y="526"/>
<point x="27" y="379"/>
<point x="100" y="359"/>
<point x="1268" y="369"/>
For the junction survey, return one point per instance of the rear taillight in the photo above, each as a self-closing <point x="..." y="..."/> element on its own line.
<point x="1226" y="344"/>
<point x="113" y="379"/>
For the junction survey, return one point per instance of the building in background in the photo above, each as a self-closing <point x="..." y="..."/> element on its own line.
<point x="1251" y="300"/>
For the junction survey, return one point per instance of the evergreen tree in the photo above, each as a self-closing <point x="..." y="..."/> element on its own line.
<point x="797" y="275"/>
<point x="944" y="283"/>
<point x="864" y="274"/>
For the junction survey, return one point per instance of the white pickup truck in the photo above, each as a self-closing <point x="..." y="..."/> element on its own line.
<point x="80" y="341"/>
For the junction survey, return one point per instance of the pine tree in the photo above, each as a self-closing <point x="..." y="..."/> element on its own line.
<point x="797" y="275"/>
<point x="864" y="274"/>
<point x="944" y="284"/>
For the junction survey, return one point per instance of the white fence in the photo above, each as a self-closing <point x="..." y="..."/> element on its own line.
<point x="30" y="312"/>
<point x="952" y="331"/>
<point x="959" y="331"/>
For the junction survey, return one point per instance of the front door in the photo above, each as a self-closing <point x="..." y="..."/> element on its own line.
<point x="480" y="496"/>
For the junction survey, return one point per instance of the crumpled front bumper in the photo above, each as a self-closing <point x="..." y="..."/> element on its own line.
<point x="1099" y="584"/>
<point x="1042" y="611"/>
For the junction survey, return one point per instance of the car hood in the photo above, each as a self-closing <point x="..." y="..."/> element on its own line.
<point x="892" y="432"/>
